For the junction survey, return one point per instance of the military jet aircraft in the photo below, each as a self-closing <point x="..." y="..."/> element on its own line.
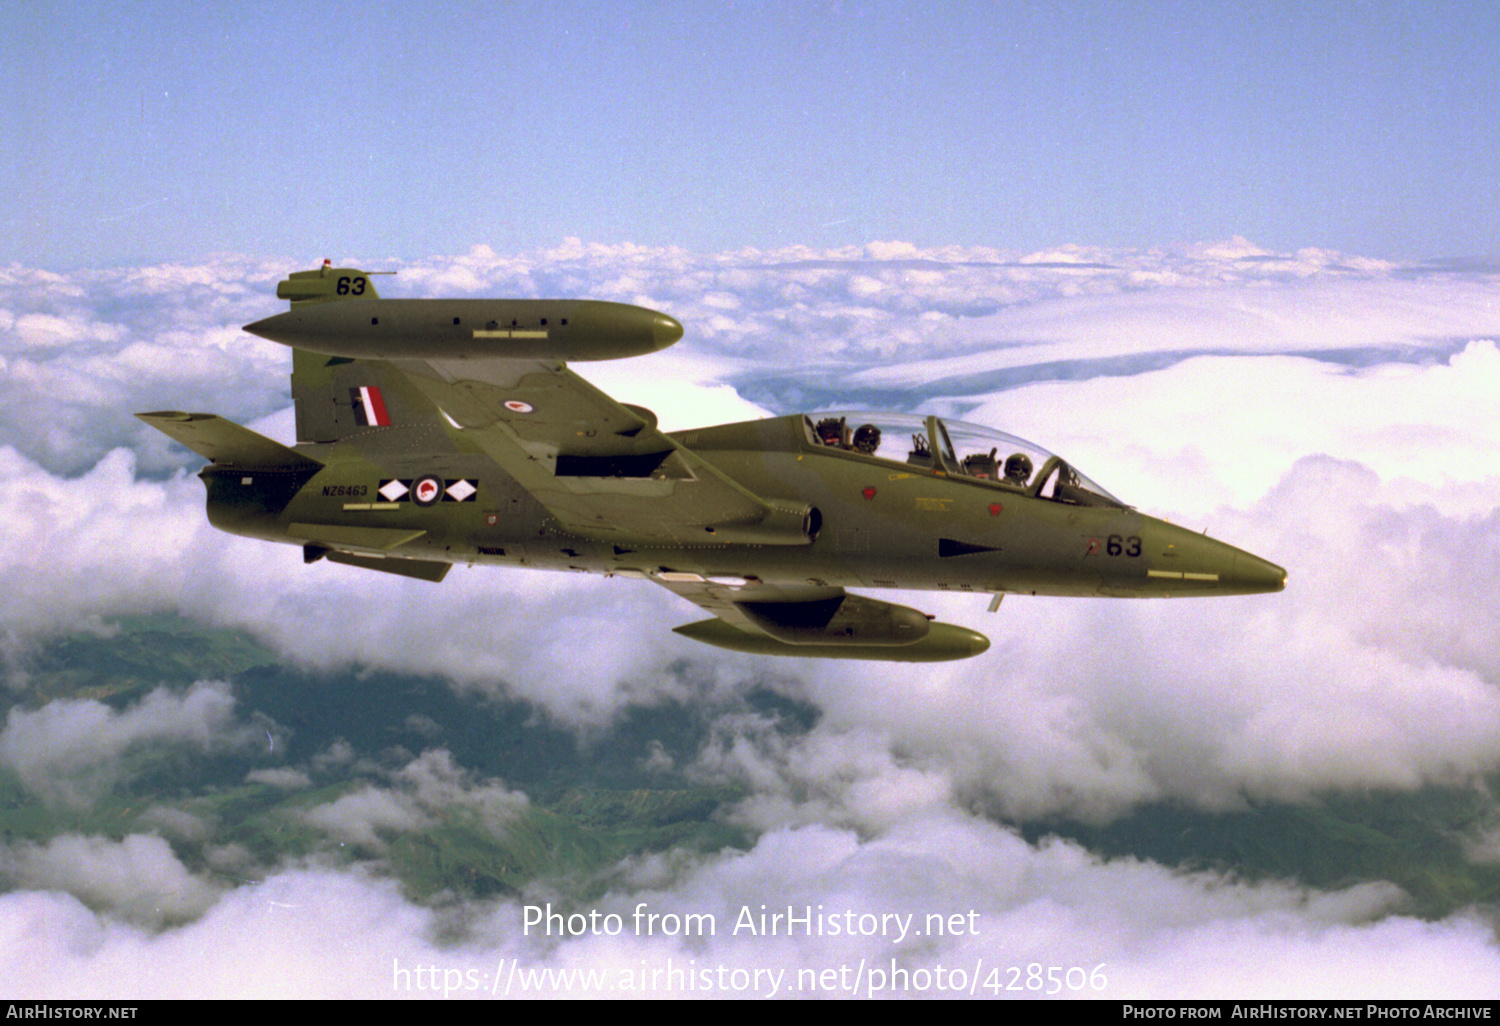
<point x="433" y="432"/>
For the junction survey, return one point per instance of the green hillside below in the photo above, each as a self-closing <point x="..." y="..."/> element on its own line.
<point x="575" y="808"/>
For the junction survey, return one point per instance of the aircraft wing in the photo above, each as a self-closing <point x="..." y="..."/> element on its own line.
<point x="734" y="606"/>
<point x="600" y="467"/>
<point x="816" y="621"/>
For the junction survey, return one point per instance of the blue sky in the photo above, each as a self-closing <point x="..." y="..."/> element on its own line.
<point x="158" y="132"/>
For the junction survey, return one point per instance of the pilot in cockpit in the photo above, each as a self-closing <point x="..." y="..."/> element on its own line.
<point x="1018" y="469"/>
<point x="867" y="439"/>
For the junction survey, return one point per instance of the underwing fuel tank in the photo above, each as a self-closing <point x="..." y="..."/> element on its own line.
<point x="520" y="329"/>
<point x="944" y="642"/>
<point x="840" y="627"/>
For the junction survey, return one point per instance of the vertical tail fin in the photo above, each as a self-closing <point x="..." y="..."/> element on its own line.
<point x="328" y="284"/>
<point x="227" y="443"/>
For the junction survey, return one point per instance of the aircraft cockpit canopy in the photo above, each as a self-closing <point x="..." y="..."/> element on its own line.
<point x="958" y="449"/>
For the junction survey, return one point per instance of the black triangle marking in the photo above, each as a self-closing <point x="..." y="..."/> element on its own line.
<point x="948" y="547"/>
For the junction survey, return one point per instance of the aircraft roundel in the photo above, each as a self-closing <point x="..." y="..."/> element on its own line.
<point x="427" y="490"/>
<point x="516" y="406"/>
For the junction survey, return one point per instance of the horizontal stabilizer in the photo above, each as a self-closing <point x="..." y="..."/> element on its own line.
<point x="227" y="443"/>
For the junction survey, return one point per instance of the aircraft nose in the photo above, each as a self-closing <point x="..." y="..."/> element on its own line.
<point x="1256" y="574"/>
<point x="665" y="330"/>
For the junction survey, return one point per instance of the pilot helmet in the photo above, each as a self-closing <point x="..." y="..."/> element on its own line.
<point x="1018" y="467"/>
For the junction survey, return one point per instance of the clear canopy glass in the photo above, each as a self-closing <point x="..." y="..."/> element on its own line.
<point x="959" y="449"/>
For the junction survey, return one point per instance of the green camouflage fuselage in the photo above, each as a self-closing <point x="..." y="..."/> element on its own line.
<point x="883" y="524"/>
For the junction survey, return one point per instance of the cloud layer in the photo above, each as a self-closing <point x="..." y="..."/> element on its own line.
<point x="1331" y="413"/>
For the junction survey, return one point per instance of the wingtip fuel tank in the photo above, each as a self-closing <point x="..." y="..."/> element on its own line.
<point x="337" y="311"/>
<point x="514" y="329"/>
